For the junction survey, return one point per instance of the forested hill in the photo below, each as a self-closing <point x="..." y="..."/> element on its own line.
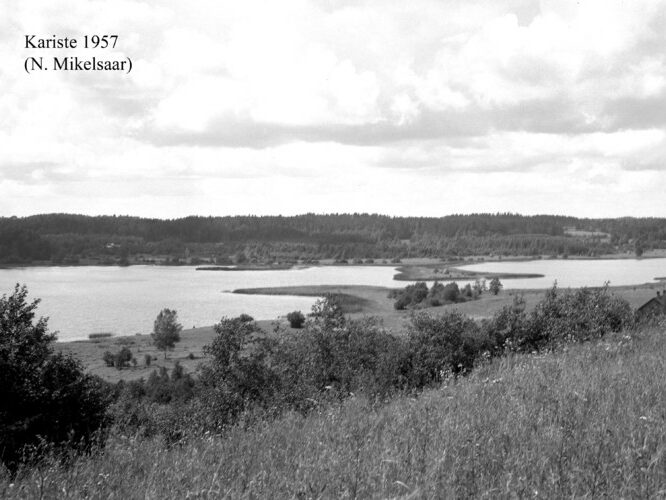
<point x="66" y="238"/>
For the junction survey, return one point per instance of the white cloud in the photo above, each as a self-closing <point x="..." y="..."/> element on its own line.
<point x="354" y="105"/>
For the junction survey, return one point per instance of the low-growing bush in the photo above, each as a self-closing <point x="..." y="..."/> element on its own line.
<point x="120" y="359"/>
<point x="296" y="319"/>
<point x="100" y="335"/>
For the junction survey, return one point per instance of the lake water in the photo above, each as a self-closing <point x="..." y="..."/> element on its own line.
<point x="126" y="300"/>
<point x="577" y="273"/>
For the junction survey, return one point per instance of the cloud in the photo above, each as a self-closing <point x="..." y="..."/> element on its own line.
<point x="37" y="173"/>
<point x="260" y="95"/>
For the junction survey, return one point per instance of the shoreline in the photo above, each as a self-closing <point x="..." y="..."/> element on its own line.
<point x="406" y="262"/>
<point x="451" y="273"/>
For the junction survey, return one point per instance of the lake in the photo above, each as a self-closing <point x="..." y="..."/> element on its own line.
<point x="577" y="273"/>
<point x="125" y="300"/>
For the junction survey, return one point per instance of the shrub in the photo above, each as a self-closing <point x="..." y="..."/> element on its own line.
<point x="296" y="319"/>
<point x="123" y="358"/>
<point x="334" y="357"/>
<point x="120" y="360"/>
<point x="448" y="343"/>
<point x="109" y="359"/>
<point x="451" y="292"/>
<point x="560" y="317"/>
<point x="576" y="316"/>
<point x="46" y="397"/>
<point x="100" y="335"/>
<point x="507" y="330"/>
<point x="412" y="295"/>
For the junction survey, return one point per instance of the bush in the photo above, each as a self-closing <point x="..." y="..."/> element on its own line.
<point x="109" y="359"/>
<point x="576" y="316"/>
<point x="451" y="292"/>
<point x="411" y="295"/>
<point x="120" y="360"/>
<point x="334" y="357"/>
<point x="508" y="328"/>
<point x="444" y="344"/>
<point x="46" y="397"/>
<point x="296" y="319"/>
<point x="123" y="358"/>
<point x="560" y="317"/>
<point x="100" y="335"/>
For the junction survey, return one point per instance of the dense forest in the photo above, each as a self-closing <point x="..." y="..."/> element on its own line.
<point x="79" y="239"/>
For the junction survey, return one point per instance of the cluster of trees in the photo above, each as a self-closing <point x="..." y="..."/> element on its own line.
<point x="66" y="238"/>
<point x="418" y="295"/>
<point x="47" y="398"/>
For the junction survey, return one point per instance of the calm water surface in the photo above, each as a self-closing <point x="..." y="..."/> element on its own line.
<point x="577" y="273"/>
<point x="125" y="300"/>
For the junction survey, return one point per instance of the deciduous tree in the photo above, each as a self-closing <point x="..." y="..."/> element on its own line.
<point x="166" y="330"/>
<point x="495" y="286"/>
<point x="44" y="397"/>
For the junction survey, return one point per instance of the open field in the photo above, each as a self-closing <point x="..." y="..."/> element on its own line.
<point x="193" y="340"/>
<point x="589" y="421"/>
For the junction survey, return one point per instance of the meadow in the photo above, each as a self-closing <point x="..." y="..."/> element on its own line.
<point x="588" y="420"/>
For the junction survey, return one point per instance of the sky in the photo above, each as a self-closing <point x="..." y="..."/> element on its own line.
<point x="425" y="107"/>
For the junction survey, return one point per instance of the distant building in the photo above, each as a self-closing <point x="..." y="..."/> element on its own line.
<point x="656" y="306"/>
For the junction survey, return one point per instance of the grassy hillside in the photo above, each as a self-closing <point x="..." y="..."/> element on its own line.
<point x="586" y="421"/>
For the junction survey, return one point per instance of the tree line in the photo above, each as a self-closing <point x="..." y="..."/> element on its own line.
<point x="70" y="239"/>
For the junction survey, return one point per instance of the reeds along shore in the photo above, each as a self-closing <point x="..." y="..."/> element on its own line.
<point x="585" y="421"/>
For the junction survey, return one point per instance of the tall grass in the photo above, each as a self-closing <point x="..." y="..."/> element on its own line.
<point x="589" y="420"/>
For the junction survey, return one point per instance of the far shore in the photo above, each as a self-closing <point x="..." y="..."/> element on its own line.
<point x="384" y="262"/>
